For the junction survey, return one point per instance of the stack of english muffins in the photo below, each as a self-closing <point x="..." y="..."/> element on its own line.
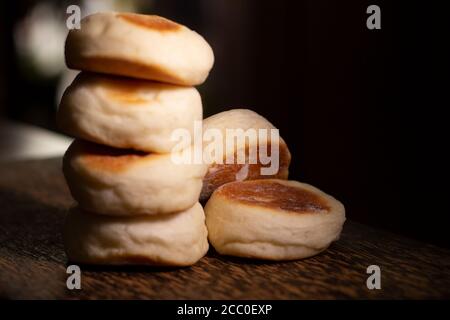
<point x="135" y="205"/>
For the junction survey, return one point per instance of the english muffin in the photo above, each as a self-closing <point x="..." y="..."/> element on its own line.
<point x="221" y="172"/>
<point x="139" y="46"/>
<point x="128" y="113"/>
<point x="126" y="182"/>
<point x="272" y="219"/>
<point x="177" y="239"/>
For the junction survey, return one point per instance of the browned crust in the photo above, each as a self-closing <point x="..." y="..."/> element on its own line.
<point x="124" y="90"/>
<point x="220" y="174"/>
<point x="122" y="67"/>
<point x="100" y="157"/>
<point x="150" y="22"/>
<point x="273" y="194"/>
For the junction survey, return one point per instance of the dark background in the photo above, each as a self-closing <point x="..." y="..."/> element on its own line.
<point x="363" y="111"/>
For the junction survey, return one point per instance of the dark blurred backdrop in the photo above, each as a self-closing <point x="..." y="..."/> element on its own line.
<point x="362" y="110"/>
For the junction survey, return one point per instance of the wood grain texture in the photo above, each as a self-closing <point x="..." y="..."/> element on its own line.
<point x="34" y="200"/>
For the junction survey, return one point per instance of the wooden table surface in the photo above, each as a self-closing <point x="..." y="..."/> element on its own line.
<point x="33" y="203"/>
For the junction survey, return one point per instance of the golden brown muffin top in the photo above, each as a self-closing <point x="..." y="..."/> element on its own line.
<point x="274" y="194"/>
<point x="100" y="157"/>
<point x="126" y="91"/>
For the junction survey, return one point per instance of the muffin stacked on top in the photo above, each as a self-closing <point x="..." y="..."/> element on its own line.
<point x="135" y="204"/>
